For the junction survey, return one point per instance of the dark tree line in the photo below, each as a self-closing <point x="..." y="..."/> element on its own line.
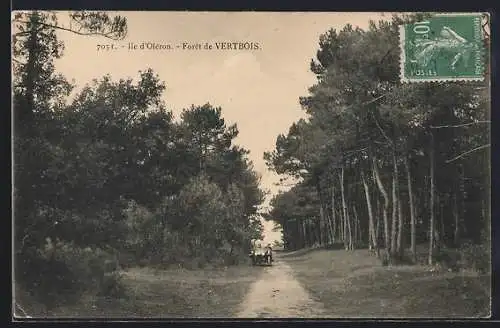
<point x="383" y="164"/>
<point x="110" y="177"/>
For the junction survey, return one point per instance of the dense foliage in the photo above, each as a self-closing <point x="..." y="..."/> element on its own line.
<point x="109" y="178"/>
<point x="380" y="163"/>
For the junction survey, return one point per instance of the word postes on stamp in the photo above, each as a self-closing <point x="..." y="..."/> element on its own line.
<point x="444" y="47"/>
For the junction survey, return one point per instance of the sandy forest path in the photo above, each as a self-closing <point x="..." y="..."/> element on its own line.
<point x="277" y="294"/>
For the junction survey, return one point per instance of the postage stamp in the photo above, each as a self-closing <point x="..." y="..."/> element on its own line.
<point x="444" y="47"/>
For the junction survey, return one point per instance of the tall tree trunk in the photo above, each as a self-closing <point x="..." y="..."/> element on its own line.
<point x="456" y="232"/>
<point x="300" y="233"/>
<point x="355" y="227"/>
<point x="334" y="219"/>
<point x="412" y="211"/>
<point x="341" y="225"/>
<point x="314" y="232"/>
<point x="317" y="227"/>
<point x="26" y="116"/>
<point x="349" y="230"/>
<point x="394" y="204"/>
<point x="320" y="225"/>
<point x="431" y="205"/>
<point x="322" y="220"/>
<point x="385" y="208"/>
<point x="304" y="235"/>
<point x="329" y="230"/>
<point x="325" y="230"/>
<point x="372" y="239"/>
<point x="461" y="200"/>
<point x="378" y="219"/>
<point x="485" y="226"/>
<point x="344" y="208"/>
<point x="310" y="233"/>
<point x="307" y="233"/>
<point x="442" y="232"/>
<point x="401" y="221"/>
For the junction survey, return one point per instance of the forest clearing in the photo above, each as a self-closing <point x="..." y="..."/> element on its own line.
<point x="354" y="285"/>
<point x="317" y="284"/>
<point x="169" y="293"/>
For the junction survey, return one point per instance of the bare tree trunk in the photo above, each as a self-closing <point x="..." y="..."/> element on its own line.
<point x="300" y="234"/>
<point x="486" y="221"/>
<point x="412" y="210"/>
<point x="346" y="230"/>
<point x="341" y="225"/>
<point x="322" y="229"/>
<point x="400" y="243"/>
<point x="461" y="201"/>
<point x="347" y="227"/>
<point x="456" y="233"/>
<point x="334" y="219"/>
<point x="28" y="110"/>
<point x="312" y="232"/>
<point x="330" y="235"/>
<point x="372" y="239"/>
<point x="378" y="219"/>
<point x="386" y="203"/>
<point x="394" y="204"/>
<point x="304" y="234"/>
<point x="349" y="230"/>
<point x="308" y="233"/>
<point x="431" y="223"/>
<point x="357" y="226"/>
<point x="441" y="221"/>
<point x="317" y="228"/>
<point x="326" y="227"/>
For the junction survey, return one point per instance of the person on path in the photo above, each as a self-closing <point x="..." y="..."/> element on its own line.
<point x="269" y="254"/>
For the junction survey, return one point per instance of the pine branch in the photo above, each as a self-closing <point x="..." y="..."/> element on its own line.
<point x="108" y="35"/>
<point x="383" y="132"/>
<point x="367" y="102"/>
<point x="459" y="125"/>
<point x="467" y="152"/>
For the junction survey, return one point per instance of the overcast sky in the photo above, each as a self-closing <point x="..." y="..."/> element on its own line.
<point x="257" y="89"/>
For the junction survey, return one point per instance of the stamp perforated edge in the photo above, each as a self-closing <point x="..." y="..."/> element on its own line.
<point x="402" y="57"/>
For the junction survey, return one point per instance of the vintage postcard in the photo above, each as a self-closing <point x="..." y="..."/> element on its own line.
<point x="251" y="165"/>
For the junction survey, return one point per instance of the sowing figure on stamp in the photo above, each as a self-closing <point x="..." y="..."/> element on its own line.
<point x="449" y="41"/>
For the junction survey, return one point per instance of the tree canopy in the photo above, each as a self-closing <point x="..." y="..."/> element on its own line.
<point x="363" y="155"/>
<point x="112" y="171"/>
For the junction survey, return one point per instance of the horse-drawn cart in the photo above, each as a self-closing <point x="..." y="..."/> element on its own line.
<point x="261" y="256"/>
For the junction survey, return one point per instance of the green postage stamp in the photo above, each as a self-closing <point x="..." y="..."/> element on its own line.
<point x="445" y="47"/>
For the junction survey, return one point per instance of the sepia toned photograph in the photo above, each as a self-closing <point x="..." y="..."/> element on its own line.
<point x="250" y="165"/>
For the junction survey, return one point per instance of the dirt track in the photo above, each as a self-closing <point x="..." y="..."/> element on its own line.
<point x="277" y="294"/>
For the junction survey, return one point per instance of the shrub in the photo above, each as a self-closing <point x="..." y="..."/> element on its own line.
<point x="112" y="286"/>
<point x="476" y="256"/>
<point x="62" y="272"/>
<point x="468" y="256"/>
<point x="48" y="280"/>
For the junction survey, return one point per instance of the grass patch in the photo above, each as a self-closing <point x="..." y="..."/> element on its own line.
<point x="354" y="284"/>
<point x="172" y="293"/>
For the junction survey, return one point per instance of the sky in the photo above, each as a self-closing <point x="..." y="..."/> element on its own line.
<point x="258" y="90"/>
